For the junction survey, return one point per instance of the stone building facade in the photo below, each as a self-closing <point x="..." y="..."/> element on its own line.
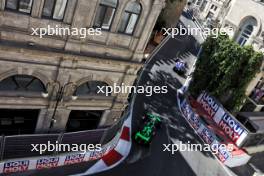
<point x="208" y="12"/>
<point x="44" y="73"/>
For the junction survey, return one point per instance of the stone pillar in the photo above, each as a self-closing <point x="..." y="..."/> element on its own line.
<point x="44" y="120"/>
<point x="104" y="118"/>
<point x="84" y="13"/>
<point x="61" y="119"/>
<point x="37" y="8"/>
<point x="69" y="11"/>
<point x="151" y="21"/>
<point x="2" y="4"/>
<point x="118" y="16"/>
<point x="112" y="117"/>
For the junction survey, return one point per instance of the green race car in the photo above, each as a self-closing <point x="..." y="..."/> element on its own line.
<point x="146" y="133"/>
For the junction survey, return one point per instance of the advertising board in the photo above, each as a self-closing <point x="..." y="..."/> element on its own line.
<point x="234" y="130"/>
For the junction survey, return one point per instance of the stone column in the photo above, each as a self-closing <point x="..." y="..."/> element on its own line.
<point x="69" y="11"/>
<point x="2" y="4"/>
<point x="84" y="13"/>
<point x="118" y="15"/>
<point x="104" y="118"/>
<point x="44" y="120"/>
<point x="151" y="21"/>
<point x="37" y="8"/>
<point x="61" y="119"/>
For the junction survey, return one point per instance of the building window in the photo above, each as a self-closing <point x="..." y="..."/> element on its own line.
<point x="245" y="34"/>
<point x="198" y="2"/>
<point x="54" y="9"/>
<point x="202" y="7"/>
<point x="130" y="18"/>
<point x="81" y="120"/>
<point x="22" y="83"/>
<point x="105" y="14"/>
<point x="91" y="88"/>
<point x="23" y="6"/>
<point x="246" y="29"/>
<point x="210" y="15"/>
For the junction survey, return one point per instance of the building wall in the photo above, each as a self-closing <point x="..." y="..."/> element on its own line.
<point x="202" y="8"/>
<point x="112" y="57"/>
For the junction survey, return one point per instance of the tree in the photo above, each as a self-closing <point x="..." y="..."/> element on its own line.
<point x="225" y="69"/>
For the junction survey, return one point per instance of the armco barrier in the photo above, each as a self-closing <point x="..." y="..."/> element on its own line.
<point x="25" y="164"/>
<point x="93" y="137"/>
<point x="18" y="147"/>
<point x="110" y="155"/>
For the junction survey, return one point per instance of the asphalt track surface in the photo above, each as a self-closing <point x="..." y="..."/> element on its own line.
<point x="153" y="161"/>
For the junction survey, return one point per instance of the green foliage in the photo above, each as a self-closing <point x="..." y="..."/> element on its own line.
<point x="225" y="69"/>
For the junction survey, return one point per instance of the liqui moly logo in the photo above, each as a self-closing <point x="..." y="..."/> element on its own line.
<point x="231" y="127"/>
<point x="47" y="163"/>
<point x="209" y="104"/>
<point x="207" y="136"/>
<point x="16" y="166"/>
<point x="72" y="159"/>
<point x="98" y="154"/>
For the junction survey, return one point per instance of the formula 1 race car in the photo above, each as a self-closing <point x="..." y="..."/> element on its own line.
<point x="148" y="130"/>
<point x="180" y="67"/>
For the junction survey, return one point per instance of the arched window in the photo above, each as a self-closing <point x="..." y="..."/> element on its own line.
<point x="54" y="9"/>
<point x="105" y="14"/>
<point x="130" y="18"/>
<point x="92" y="88"/>
<point x="24" y="6"/>
<point x="245" y="34"/>
<point x="22" y="83"/>
<point x="246" y="29"/>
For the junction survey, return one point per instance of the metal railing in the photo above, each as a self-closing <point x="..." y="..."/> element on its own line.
<point x="20" y="146"/>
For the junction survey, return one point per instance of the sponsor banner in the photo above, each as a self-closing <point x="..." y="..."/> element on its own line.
<point x="234" y="130"/>
<point x="55" y="161"/>
<point x="16" y="166"/>
<point x="74" y="158"/>
<point x="192" y="117"/>
<point x="195" y="122"/>
<point x="204" y="132"/>
<point x="222" y="152"/>
<point x="207" y="136"/>
<point x="45" y="163"/>
<point x="209" y="104"/>
<point x="186" y="108"/>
